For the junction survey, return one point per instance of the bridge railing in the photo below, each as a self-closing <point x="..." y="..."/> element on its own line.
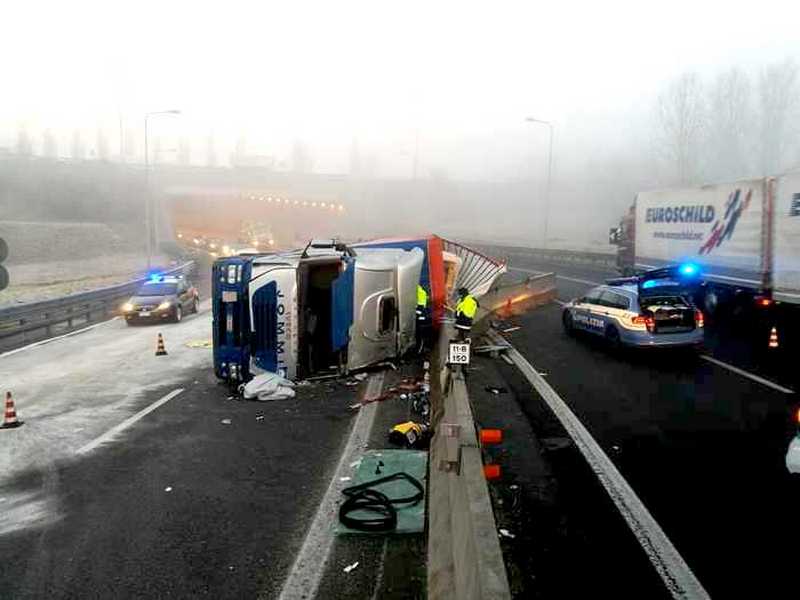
<point x="35" y="321"/>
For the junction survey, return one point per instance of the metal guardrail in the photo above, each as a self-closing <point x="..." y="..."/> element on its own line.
<point x="465" y="561"/>
<point x="600" y="259"/>
<point x="39" y="320"/>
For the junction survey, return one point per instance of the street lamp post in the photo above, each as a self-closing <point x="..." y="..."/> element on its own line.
<point x="148" y="208"/>
<point x="549" y="173"/>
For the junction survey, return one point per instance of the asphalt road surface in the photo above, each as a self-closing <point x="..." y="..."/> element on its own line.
<point x="701" y="444"/>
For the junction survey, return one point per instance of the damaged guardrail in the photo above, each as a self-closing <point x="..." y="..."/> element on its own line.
<point x="464" y="556"/>
<point x="39" y="320"/>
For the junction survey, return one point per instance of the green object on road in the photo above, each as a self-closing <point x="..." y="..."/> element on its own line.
<point x="376" y="464"/>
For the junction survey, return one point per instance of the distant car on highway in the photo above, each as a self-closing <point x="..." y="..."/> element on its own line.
<point x="652" y="310"/>
<point x="162" y="298"/>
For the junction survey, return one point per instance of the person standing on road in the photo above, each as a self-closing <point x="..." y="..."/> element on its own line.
<point x="423" y="318"/>
<point x="466" y="309"/>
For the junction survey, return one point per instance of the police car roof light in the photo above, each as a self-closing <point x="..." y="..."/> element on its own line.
<point x="688" y="269"/>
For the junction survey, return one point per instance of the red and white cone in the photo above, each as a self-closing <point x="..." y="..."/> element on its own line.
<point x="160" y="349"/>
<point x="773" y="338"/>
<point x="10" y="419"/>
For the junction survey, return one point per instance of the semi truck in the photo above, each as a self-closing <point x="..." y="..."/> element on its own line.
<point x="331" y="308"/>
<point x="744" y="236"/>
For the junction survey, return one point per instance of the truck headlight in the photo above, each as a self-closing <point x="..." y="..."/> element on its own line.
<point x="164" y="305"/>
<point x="127" y="307"/>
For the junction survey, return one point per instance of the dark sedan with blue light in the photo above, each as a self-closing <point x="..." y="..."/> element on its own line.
<point x="651" y="310"/>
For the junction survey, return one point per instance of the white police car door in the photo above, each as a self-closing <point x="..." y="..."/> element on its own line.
<point x="615" y="307"/>
<point x="587" y="312"/>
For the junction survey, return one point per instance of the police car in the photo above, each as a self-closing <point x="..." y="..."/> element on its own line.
<point x="651" y="310"/>
<point x="162" y="298"/>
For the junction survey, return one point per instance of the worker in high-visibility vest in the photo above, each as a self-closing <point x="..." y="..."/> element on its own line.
<point x="423" y="318"/>
<point x="466" y="309"/>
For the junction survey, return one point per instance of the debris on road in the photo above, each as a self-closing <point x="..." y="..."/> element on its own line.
<point x="409" y="434"/>
<point x="507" y="534"/>
<point x="349" y="568"/>
<point x="496" y="390"/>
<point x="269" y="386"/>
<point x="199" y="344"/>
<point x="226" y="421"/>
<point x="345" y="478"/>
<point x="168" y="488"/>
<point x="510" y="329"/>
<point x="260" y="418"/>
<point x="360" y="376"/>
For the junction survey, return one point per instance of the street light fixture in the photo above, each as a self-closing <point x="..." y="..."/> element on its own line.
<point x="549" y="173"/>
<point x="148" y="209"/>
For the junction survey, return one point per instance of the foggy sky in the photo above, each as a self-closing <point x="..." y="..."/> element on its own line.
<point x="461" y="76"/>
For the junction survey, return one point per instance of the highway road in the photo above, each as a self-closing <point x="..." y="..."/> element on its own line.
<point x="139" y="476"/>
<point x="702" y="443"/>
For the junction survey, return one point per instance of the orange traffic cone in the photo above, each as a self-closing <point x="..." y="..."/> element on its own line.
<point x="10" y="419"/>
<point x="773" y="338"/>
<point x="160" y="349"/>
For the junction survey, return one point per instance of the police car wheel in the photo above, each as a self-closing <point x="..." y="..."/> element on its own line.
<point x="178" y="314"/>
<point x="612" y="336"/>
<point x="566" y="320"/>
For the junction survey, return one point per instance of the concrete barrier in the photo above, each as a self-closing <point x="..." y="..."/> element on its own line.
<point x="464" y="557"/>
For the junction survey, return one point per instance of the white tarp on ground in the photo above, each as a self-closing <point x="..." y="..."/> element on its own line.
<point x="269" y="386"/>
<point x="786" y="241"/>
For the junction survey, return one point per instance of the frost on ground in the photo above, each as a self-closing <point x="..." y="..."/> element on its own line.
<point x="49" y="260"/>
<point x="72" y="390"/>
<point x="43" y="281"/>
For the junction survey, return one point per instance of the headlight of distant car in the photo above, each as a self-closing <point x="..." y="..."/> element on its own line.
<point x="127" y="307"/>
<point x="164" y="305"/>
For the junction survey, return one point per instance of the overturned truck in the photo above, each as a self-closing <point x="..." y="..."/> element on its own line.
<point x="333" y="308"/>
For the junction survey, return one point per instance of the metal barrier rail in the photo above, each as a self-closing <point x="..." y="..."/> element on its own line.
<point x="40" y="320"/>
<point x="465" y="561"/>
<point x="601" y="259"/>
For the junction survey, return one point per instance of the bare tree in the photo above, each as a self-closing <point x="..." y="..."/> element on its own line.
<point x="130" y="145"/>
<point x="49" y="144"/>
<point x="24" y="142"/>
<point x="211" y="151"/>
<point x="239" y="152"/>
<point x="302" y="162"/>
<point x="103" y="152"/>
<point x="185" y="151"/>
<point x="778" y="89"/>
<point x="77" y="148"/>
<point x="730" y="125"/>
<point x="680" y="112"/>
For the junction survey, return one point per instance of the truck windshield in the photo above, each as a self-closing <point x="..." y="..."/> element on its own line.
<point x="157" y="289"/>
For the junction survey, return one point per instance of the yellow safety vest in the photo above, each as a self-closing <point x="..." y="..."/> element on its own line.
<point x="468" y="307"/>
<point x="422" y="296"/>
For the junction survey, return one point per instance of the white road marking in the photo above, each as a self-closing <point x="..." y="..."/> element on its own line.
<point x="108" y="435"/>
<point x="747" y="374"/>
<point x="565" y="278"/>
<point x="309" y="564"/>
<point x="58" y="337"/>
<point x="675" y="573"/>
